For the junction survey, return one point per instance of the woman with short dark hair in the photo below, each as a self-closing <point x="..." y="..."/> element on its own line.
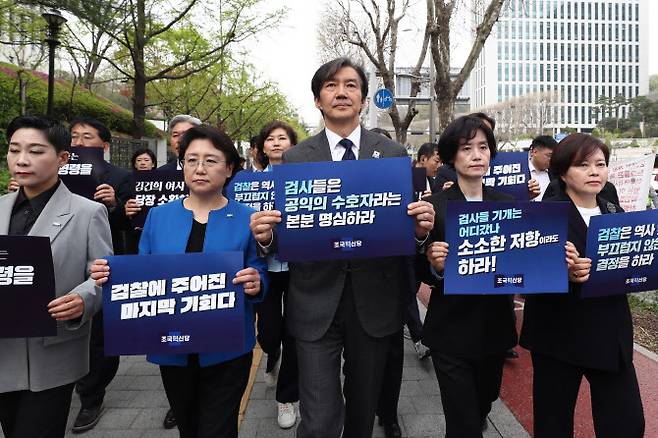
<point x="204" y="389"/>
<point x="571" y="337"/>
<point x="37" y="374"/>
<point x="274" y="139"/>
<point x="468" y="335"/>
<point x="143" y="159"/>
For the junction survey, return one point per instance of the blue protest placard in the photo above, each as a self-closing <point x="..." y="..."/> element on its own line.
<point x="623" y="248"/>
<point x="508" y="247"/>
<point x="254" y="189"/>
<point x="344" y="209"/>
<point x="170" y="304"/>
<point x="27" y="285"/>
<point x="84" y="171"/>
<point x="509" y="173"/>
<point x="156" y="187"/>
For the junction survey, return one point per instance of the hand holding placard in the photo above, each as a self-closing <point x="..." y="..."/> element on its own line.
<point x="262" y="225"/>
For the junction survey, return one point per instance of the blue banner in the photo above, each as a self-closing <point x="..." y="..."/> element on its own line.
<point x="27" y="285"/>
<point x="255" y="189"/>
<point x="509" y="247"/>
<point x="623" y="248"/>
<point x="156" y="187"/>
<point x="344" y="209"/>
<point x="170" y="304"/>
<point x="509" y="173"/>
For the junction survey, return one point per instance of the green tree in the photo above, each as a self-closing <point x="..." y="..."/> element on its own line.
<point x="140" y="26"/>
<point x="228" y="96"/>
<point x="653" y="84"/>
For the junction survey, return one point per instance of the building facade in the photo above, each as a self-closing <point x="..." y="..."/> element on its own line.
<point x="567" y="54"/>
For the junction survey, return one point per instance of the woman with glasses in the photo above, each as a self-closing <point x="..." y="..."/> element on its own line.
<point x="204" y="389"/>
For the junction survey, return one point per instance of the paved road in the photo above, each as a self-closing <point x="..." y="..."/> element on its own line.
<point x="419" y="409"/>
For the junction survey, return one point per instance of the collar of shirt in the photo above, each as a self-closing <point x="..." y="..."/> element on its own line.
<point x="26" y="211"/>
<point x="337" y="150"/>
<point x="38" y="203"/>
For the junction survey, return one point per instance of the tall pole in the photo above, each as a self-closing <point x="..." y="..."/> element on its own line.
<point x="432" y="127"/>
<point x="52" y="43"/>
<point x="55" y="21"/>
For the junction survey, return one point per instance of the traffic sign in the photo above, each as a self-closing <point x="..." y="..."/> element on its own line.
<point x="559" y="136"/>
<point x="383" y="98"/>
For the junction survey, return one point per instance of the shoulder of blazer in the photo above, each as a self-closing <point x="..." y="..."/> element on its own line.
<point x="371" y="139"/>
<point x="310" y="148"/>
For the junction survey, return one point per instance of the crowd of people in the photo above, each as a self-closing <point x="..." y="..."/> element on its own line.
<point x="316" y="320"/>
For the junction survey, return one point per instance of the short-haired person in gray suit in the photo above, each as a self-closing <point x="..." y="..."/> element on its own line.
<point x="349" y="307"/>
<point x="37" y="375"/>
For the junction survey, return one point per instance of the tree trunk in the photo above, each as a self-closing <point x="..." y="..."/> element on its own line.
<point x="445" y="105"/>
<point x="139" y="86"/>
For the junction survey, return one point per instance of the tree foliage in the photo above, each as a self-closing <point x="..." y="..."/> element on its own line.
<point x="144" y="32"/>
<point x="228" y="96"/>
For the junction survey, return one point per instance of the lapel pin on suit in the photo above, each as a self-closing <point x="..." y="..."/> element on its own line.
<point x="56" y="224"/>
<point x="376" y="154"/>
<point x="611" y="207"/>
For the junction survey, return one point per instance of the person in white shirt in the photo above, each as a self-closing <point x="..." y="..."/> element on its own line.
<point x="541" y="151"/>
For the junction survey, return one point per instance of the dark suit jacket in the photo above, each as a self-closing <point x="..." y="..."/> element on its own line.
<point x="170" y="165"/>
<point x="469" y="326"/>
<point x="445" y="173"/>
<point x="380" y="285"/>
<point x="589" y="332"/>
<point x="121" y="182"/>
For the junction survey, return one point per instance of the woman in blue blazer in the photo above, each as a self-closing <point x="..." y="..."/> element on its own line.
<point x="205" y="389"/>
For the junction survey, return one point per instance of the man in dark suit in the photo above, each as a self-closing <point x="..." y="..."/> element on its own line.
<point x="113" y="192"/>
<point x="344" y="306"/>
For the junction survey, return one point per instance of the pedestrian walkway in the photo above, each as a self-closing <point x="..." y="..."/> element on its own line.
<point x="516" y="391"/>
<point x="420" y="410"/>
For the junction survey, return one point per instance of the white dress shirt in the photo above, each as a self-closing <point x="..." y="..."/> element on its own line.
<point x="337" y="150"/>
<point x="542" y="178"/>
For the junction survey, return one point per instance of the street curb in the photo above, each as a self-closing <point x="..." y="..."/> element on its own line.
<point x="648" y="353"/>
<point x="255" y="363"/>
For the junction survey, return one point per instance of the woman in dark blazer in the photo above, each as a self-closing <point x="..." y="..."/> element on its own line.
<point x="204" y="389"/>
<point x="571" y="337"/>
<point x="467" y="335"/>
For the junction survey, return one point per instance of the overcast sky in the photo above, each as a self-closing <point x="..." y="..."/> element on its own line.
<point x="287" y="54"/>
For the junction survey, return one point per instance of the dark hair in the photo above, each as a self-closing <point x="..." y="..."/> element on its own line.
<point x="327" y="71"/>
<point x="543" y="141"/>
<point x="56" y="133"/>
<point x="103" y="132"/>
<point x="219" y="139"/>
<point x="140" y="151"/>
<point x="574" y="148"/>
<point x="486" y="117"/>
<point x="427" y="150"/>
<point x="266" y="131"/>
<point x="460" y="130"/>
<point x="253" y="142"/>
<point x="382" y="131"/>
